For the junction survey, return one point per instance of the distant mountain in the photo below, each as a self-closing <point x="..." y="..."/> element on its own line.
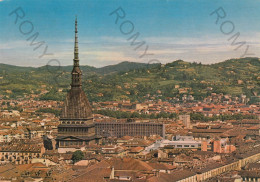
<point x="85" y="69"/>
<point x="11" y="68"/>
<point x="239" y="63"/>
<point x="121" y="67"/>
<point x="137" y="81"/>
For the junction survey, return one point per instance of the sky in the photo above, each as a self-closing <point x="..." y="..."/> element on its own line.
<point x="206" y="31"/>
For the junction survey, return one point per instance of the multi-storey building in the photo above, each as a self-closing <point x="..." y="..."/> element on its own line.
<point x="185" y="120"/>
<point x="119" y="129"/>
<point x="21" y="152"/>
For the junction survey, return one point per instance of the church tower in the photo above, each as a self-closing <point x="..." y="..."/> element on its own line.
<point x="76" y="128"/>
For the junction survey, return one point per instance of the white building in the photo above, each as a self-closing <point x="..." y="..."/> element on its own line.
<point x="177" y="142"/>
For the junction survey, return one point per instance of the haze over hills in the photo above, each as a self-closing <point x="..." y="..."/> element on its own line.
<point x="137" y="81"/>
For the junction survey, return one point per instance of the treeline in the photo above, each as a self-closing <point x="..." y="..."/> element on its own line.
<point x="201" y="117"/>
<point x="121" y="114"/>
<point x="49" y="110"/>
<point x="53" y="95"/>
<point x="193" y="116"/>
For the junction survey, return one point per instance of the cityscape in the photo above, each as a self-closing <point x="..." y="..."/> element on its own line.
<point x="173" y="121"/>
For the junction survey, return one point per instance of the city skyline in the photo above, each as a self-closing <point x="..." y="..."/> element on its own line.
<point x="196" y="118"/>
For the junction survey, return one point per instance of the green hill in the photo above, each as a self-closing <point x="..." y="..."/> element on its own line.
<point x="135" y="81"/>
<point x="121" y="67"/>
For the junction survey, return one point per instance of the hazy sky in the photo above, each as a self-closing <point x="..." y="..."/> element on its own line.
<point x="173" y="29"/>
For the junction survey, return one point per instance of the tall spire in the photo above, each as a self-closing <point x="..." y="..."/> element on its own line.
<point x="76" y="47"/>
<point x="76" y="72"/>
<point x="76" y="106"/>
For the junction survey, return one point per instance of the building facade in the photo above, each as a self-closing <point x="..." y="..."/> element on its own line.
<point x="185" y="120"/>
<point x="118" y="129"/>
<point x="21" y="152"/>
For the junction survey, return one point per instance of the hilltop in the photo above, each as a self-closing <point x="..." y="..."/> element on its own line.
<point x="135" y="81"/>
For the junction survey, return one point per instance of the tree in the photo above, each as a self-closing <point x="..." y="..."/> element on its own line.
<point x="77" y="156"/>
<point x="49" y="110"/>
<point x="135" y="115"/>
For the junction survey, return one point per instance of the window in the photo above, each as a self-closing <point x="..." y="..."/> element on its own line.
<point x="186" y="146"/>
<point x="179" y="145"/>
<point x="192" y="145"/>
